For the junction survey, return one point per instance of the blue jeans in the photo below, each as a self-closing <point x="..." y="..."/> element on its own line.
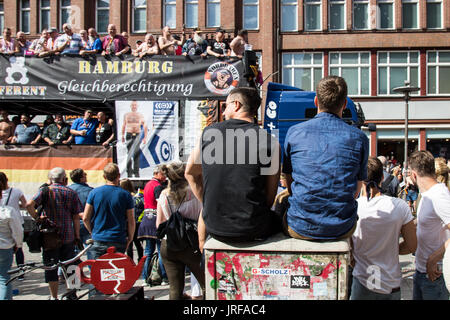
<point x="150" y="245"/>
<point x="84" y="236"/>
<point x="360" y="292"/>
<point x="424" y="289"/>
<point x="6" y="260"/>
<point x="99" y="248"/>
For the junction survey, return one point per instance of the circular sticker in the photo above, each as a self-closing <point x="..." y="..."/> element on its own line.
<point x="221" y="78"/>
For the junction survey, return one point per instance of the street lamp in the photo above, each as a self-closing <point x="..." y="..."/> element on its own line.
<point x="406" y="90"/>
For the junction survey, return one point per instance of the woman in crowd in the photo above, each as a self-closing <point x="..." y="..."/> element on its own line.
<point x="375" y="242"/>
<point x="179" y="196"/>
<point x="11" y="237"/>
<point x="15" y="198"/>
<point x="442" y="171"/>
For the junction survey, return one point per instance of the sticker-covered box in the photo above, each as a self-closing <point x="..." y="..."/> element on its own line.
<point x="277" y="268"/>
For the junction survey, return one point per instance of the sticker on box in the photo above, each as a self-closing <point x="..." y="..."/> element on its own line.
<point x="300" y="282"/>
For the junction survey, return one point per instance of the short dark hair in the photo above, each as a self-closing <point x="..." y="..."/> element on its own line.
<point x="331" y="93"/>
<point x="374" y="170"/>
<point x="423" y="163"/>
<point x="76" y="175"/>
<point x="242" y="32"/>
<point x="249" y="97"/>
<point x="3" y="181"/>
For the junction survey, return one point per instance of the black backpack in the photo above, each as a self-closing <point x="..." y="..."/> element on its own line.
<point x="181" y="232"/>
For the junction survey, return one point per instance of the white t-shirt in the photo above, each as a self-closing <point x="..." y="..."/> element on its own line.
<point x="11" y="230"/>
<point x="14" y="199"/>
<point x="433" y="216"/>
<point x="376" y="242"/>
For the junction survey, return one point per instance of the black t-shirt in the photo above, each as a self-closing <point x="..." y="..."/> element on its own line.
<point x="219" y="47"/>
<point x="103" y="132"/>
<point x="234" y="199"/>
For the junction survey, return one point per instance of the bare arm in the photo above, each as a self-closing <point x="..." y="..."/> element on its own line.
<point x="409" y="244"/>
<point x="201" y="229"/>
<point x="160" y="218"/>
<point x="358" y="189"/>
<point x="131" y="226"/>
<point x="87" y="215"/>
<point x="289" y="181"/>
<point x="31" y="210"/>
<point x="433" y="259"/>
<point x="193" y="173"/>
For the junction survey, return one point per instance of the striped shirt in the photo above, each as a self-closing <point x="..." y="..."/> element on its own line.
<point x="67" y="204"/>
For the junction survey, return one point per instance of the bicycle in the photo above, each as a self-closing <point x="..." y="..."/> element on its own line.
<point x="22" y="269"/>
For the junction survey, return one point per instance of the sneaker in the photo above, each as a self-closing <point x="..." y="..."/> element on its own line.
<point x="165" y="282"/>
<point x="51" y="298"/>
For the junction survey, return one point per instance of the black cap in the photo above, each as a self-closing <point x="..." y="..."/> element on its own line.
<point x="219" y="29"/>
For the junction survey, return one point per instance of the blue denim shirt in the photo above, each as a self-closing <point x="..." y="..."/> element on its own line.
<point x="82" y="189"/>
<point x="326" y="158"/>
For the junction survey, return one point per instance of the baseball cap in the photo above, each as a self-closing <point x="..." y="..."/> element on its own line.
<point x="219" y="29"/>
<point x="52" y="30"/>
<point x="89" y="110"/>
<point x="197" y="29"/>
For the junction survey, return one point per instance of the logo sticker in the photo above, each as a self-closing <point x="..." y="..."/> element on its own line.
<point x="221" y="78"/>
<point x="112" y="274"/>
<point x="300" y="282"/>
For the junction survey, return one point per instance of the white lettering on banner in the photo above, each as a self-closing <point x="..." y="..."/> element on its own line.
<point x="271" y="272"/>
<point x="142" y="86"/>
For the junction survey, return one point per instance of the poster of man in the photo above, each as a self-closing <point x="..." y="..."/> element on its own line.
<point x="148" y="136"/>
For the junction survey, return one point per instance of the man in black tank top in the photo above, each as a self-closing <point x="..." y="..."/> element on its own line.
<point x="234" y="172"/>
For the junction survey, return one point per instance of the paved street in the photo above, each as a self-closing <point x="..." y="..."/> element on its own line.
<point x="34" y="288"/>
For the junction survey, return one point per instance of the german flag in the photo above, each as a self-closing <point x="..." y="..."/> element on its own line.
<point x="27" y="166"/>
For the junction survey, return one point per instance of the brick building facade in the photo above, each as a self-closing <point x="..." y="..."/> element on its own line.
<point x="374" y="44"/>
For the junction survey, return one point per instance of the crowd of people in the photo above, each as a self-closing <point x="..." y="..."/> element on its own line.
<point x="88" y="42"/>
<point x="89" y="129"/>
<point x="333" y="190"/>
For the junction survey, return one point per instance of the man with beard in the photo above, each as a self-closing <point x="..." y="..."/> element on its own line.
<point x="433" y="228"/>
<point x="133" y="125"/>
<point x="26" y="132"/>
<point x="58" y="132"/>
<point x="196" y="46"/>
<point x="148" y="47"/>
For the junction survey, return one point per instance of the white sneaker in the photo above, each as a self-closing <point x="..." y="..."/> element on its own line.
<point x="51" y="298"/>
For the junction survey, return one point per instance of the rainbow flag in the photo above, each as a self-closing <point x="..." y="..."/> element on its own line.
<point x="27" y="166"/>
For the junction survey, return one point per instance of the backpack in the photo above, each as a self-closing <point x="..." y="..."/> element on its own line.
<point x="154" y="277"/>
<point x="138" y="208"/>
<point x="181" y="232"/>
<point x="385" y="186"/>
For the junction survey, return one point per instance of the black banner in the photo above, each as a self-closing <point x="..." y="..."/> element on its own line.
<point x="97" y="78"/>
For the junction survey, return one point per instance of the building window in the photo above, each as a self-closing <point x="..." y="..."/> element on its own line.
<point x="44" y="18"/>
<point x="25" y="16"/>
<point x="337" y="14"/>
<point x="385" y="14"/>
<point x="139" y="15"/>
<point x="354" y="67"/>
<point x="302" y="70"/>
<point x="102" y="16"/>
<point x="394" y="68"/>
<point x="361" y="14"/>
<point x="410" y="14"/>
<point x="438" y="67"/>
<point x="289" y="9"/>
<point x="434" y="14"/>
<point x="313" y="14"/>
<point x="251" y="14"/>
<point x="2" y="16"/>
<point x="64" y="12"/>
<point x="170" y="13"/>
<point x="213" y="13"/>
<point x="191" y="13"/>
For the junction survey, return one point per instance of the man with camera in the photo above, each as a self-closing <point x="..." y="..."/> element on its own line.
<point x="61" y="208"/>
